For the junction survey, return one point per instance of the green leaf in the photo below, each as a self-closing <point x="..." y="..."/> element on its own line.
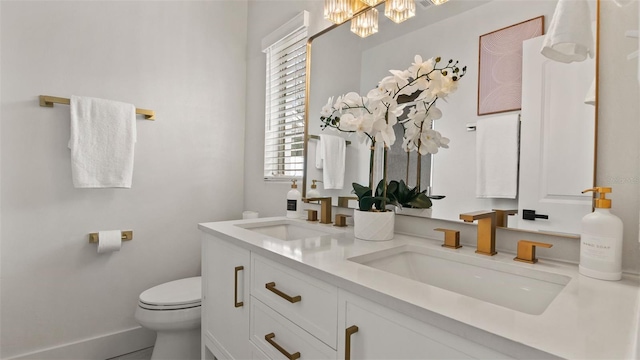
<point x="380" y="188"/>
<point x="361" y="191"/>
<point x="421" y="201"/>
<point x="392" y="188"/>
<point x="366" y="203"/>
<point x="399" y="194"/>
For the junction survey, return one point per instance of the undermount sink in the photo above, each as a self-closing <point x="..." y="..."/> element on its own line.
<point x="517" y="288"/>
<point x="289" y="230"/>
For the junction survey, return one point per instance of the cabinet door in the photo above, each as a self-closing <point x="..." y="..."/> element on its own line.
<point x="371" y="331"/>
<point x="556" y="146"/>
<point x="225" y="304"/>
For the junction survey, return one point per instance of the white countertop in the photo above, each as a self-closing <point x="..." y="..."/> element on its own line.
<point x="588" y="319"/>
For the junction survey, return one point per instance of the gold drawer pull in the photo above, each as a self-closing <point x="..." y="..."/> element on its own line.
<point x="272" y="287"/>
<point x="269" y="337"/>
<point x="347" y="341"/>
<point x="235" y="293"/>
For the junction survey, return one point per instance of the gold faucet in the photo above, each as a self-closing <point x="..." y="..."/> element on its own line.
<point x="325" y="208"/>
<point x="527" y="251"/>
<point x="486" y="230"/>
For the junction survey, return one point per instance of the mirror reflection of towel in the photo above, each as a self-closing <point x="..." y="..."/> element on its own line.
<point x="570" y="37"/>
<point x="319" y="155"/>
<point x="333" y="152"/>
<point x="497" y="156"/>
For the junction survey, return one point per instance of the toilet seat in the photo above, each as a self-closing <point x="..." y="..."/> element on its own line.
<point x="174" y="295"/>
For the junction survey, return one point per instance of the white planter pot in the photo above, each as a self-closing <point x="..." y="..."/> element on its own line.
<point x="415" y="212"/>
<point x="374" y="226"/>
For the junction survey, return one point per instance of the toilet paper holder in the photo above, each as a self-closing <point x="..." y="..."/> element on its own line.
<point x="126" y="235"/>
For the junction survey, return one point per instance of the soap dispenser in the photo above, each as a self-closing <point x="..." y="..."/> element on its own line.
<point x="601" y="240"/>
<point x="313" y="193"/>
<point x="293" y="201"/>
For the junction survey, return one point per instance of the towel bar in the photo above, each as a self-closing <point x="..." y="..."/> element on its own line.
<point x="48" y="101"/>
<point x="126" y="235"/>
<point x="316" y="137"/>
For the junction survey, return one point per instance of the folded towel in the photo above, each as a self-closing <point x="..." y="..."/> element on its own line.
<point x="319" y="155"/>
<point x="333" y="153"/>
<point x="103" y="135"/>
<point x="570" y="37"/>
<point x="497" y="156"/>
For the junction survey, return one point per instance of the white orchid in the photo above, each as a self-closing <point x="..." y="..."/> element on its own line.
<point x="327" y="110"/>
<point x="442" y="85"/>
<point x="419" y="70"/>
<point x="430" y="141"/>
<point x="373" y="117"/>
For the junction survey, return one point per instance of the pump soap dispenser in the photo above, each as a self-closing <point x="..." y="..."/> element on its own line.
<point x="313" y="193"/>
<point x="293" y="201"/>
<point x="601" y="240"/>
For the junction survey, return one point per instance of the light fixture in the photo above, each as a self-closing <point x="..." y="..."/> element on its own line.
<point x="399" y="10"/>
<point x="438" y="2"/>
<point x="372" y="2"/>
<point x="366" y="23"/>
<point x="339" y="11"/>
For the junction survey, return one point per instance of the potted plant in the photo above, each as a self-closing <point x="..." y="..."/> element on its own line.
<point x="410" y="95"/>
<point x="374" y="221"/>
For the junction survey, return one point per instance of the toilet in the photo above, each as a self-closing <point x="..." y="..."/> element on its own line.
<point x="173" y="310"/>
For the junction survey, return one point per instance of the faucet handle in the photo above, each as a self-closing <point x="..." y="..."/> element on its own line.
<point x="341" y="220"/>
<point x="527" y="251"/>
<point x="451" y="238"/>
<point x="312" y="215"/>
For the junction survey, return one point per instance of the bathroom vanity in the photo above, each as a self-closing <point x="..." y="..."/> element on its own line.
<point x="278" y="288"/>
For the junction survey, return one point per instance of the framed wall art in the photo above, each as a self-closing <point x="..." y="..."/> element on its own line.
<point x="500" y="66"/>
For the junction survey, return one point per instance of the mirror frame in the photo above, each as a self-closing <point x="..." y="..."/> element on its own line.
<point x="334" y="26"/>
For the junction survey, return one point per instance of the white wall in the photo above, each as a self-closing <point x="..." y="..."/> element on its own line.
<point x="618" y="150"/>
<point x="266" y="197"/>
<point x="185" y="60"/>
<point x="619" y="122"/>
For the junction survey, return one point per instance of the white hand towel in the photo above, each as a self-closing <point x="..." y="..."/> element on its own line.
<point x="319" y="155"/>
<point x="333" y="153"/>
<point x="103" y="136"/>
<point x="570" y="37"/>
<point x="497" y="156"/>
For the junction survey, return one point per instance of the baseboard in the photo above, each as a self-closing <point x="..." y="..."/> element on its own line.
<point x="96" y="348"/>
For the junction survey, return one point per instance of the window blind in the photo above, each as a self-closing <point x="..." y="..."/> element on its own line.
<point x="284" y="113"/>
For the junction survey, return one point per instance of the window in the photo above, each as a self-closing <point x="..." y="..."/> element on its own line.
<point x="285" y="102"/>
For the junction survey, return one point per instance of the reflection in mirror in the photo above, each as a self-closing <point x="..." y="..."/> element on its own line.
<point x="556" y="159"/>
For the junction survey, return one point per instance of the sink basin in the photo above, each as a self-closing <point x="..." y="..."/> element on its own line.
<point x="514" y="287"/>
<point x="290" y="230"/>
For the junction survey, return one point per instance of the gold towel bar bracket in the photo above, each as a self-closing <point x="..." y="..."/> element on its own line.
<point x="126" y="236"/>
<point x="48" y="101"/>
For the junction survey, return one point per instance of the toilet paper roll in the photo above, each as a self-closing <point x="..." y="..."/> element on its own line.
<point x="249" y="214"/>
<point x="110" y="240"/>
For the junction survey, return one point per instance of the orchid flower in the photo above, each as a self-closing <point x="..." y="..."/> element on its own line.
<point x="373" y="117"/>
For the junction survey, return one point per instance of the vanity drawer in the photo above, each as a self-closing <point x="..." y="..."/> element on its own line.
<point x="279" y="338"/>
<point x="308" y="302"/>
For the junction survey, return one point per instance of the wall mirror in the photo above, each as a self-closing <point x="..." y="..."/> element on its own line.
<point x="557" y="141"/>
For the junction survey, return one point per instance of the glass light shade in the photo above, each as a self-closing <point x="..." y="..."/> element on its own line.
<point x="366" y="23"/>
<point x="399" y="10"/>
<point x="372" y="2"/>
<point x="339" y="11"/>
<point x="438" y="2"/>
